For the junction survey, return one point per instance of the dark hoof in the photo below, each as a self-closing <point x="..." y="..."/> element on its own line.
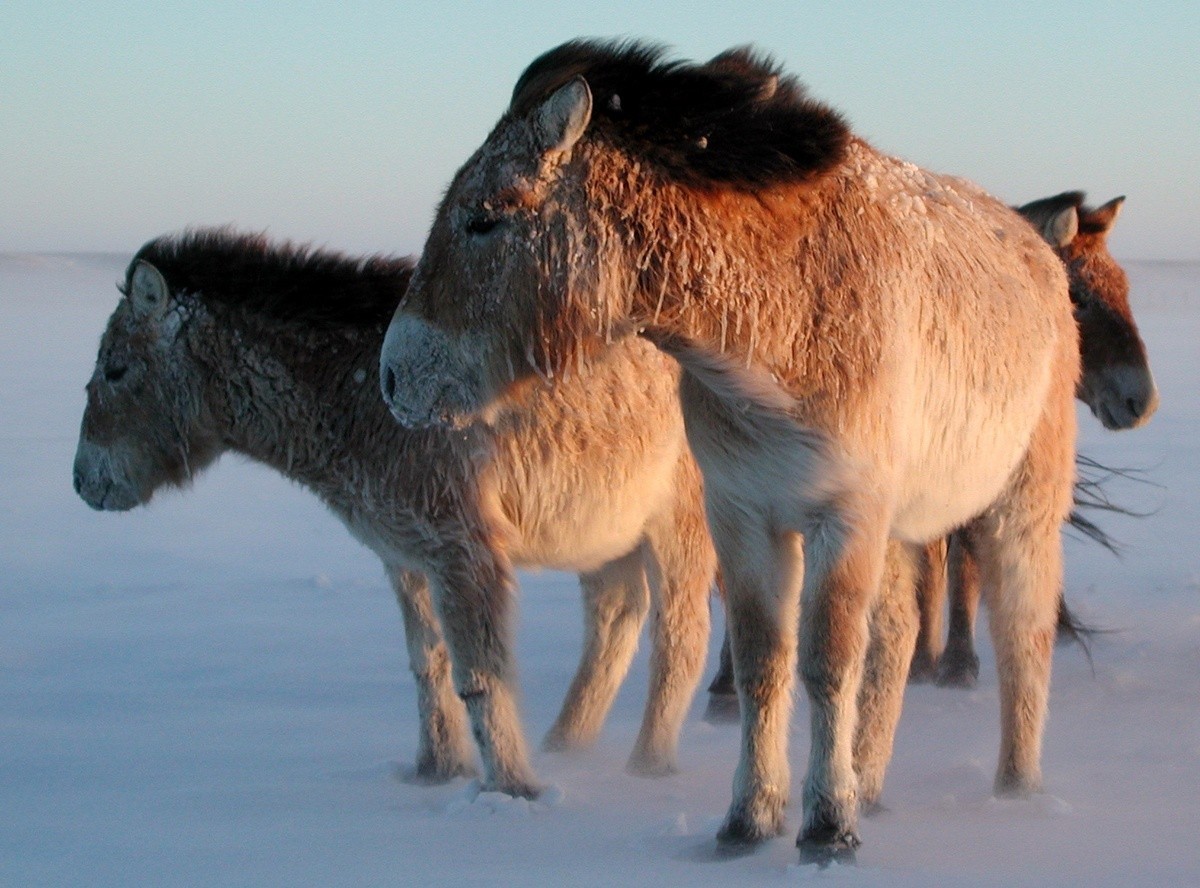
<point x="825" y="848"/>
<point x="722" y="709"/>
<point x="740" y="832"/>
<point x="924" y="669"/>
<point x="958" y="671"/>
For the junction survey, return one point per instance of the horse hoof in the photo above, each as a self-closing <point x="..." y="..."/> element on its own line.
<point x="923" y="668"/>
<point x="740" y="831"/>
<point x="958" y="671"/>
<point x="518" y="789"/>
<point x="650" y="766"/>
<point x="824" y="849"/>
<point x="723" y="709"/>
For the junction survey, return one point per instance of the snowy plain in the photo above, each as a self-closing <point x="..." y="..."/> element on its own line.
<point x="212" y="690"/>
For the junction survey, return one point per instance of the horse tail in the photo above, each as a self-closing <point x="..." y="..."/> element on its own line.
<point x="745" y="432"/>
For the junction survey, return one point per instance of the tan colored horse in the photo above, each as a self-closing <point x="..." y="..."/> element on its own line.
<point x="227" y="342"/>
<point x="1116" y="384"/>
<point x="873" y="350"/>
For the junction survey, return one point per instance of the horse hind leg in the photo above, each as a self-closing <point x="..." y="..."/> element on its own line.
<point x="844" y="566"/>
<point x="444" y="749"/>
<point x="894" y="628"/>
<point x="616" y="600"/>
<point x="959" y="665"/>
<point x="1018" y="543"/>
<point x="762" y="578"/>
<point x="681" y="564"/>
<point x="931" y="602"/>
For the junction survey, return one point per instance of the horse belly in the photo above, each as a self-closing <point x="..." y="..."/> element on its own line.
<point x="961" y="451"/>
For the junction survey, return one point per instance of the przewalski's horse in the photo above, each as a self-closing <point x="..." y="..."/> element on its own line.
<point x="872" y="350"/>
<point x="227" y="342"/>
<point x="1115" y="383"/>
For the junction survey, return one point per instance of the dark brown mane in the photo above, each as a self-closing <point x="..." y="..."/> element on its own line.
<point x="734" y="121"/>
<point x="283" y="280"/>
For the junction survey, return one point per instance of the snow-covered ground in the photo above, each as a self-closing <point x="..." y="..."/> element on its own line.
<point x="212" y="690"/>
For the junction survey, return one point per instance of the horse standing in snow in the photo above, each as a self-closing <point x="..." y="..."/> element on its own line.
<point x="225" y="342"/>
<point x="872" y="351"/>
<point x="1115" y="383"/>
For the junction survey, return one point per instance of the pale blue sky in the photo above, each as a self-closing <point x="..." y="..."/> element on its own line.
<point x="342" y="123"/>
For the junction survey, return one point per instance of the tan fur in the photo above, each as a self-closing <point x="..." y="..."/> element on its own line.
<point x="592" y="476"/>
<point x="922" y="332"/>
<point x="1115" y="382"/>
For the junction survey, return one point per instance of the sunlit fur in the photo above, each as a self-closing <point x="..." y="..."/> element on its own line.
<point x="920" y="328"/>
<point x="1115" y="382"/>
<point x="270" y="351"/>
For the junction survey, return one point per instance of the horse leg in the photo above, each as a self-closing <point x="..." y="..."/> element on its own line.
<point x="472" y="588"/>
<point x="959" y="666"/>
<point x="1018" y="542"/>
<point x="894" y="628"/>
<point x="616" y="600"/>
<point x="931" y="602"/>
<point x="722" y="692"/>
<point x="681" y="573"/>
<point x="444" y="750"/>
<point x="762" y="578"/>
<point x="844" y="565"/>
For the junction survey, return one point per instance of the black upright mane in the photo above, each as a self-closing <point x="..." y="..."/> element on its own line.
<point x="736" y="120"/>
<point x="283" y="280"/>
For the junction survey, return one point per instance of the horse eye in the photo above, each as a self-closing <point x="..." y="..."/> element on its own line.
<point x="115" y="373"/>
<point x="482" y="223"/>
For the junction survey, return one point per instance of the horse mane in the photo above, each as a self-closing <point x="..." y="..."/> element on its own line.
<point x="734" y="121"/>
<point x="282" y="280"/>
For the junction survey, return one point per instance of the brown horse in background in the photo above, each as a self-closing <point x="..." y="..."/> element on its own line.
<point x="841" y="316"/>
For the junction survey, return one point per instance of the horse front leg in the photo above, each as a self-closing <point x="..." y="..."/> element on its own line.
<point x="844" y="566"/>
<point x="959" y="667"/>
<point x="444" y="749"/>
<point x="473" y="592"/>
<point x="616" y="601"/>
<point x="931" y="602"/>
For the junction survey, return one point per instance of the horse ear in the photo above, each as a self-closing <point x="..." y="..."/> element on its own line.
<point x="1061" y="228"/>
<point x="1103" y="218"/>
<point x="148" y="291"/>
<point x="560" y="120"/>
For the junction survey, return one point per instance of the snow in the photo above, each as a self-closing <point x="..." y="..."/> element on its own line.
<point x="212" y="690"/>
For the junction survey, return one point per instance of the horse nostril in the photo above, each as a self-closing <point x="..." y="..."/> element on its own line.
<point x="77" y="480"/>
<point x="1137" y="406"/>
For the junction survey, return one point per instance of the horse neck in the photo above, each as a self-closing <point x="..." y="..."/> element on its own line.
<point x="289" y="393"/>
<point x="691" y="248"/>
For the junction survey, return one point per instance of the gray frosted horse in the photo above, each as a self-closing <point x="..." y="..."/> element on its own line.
<point x="229" y="343"/>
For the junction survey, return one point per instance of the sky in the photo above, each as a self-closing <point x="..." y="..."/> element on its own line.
<point x="341" y="124"/>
